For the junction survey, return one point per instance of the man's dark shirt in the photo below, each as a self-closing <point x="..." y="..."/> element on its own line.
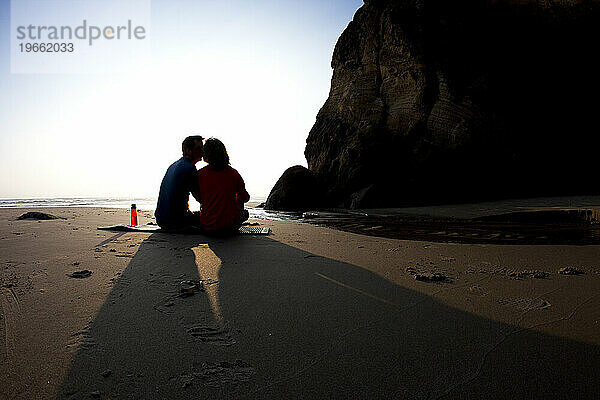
<point x="172" y="207"/>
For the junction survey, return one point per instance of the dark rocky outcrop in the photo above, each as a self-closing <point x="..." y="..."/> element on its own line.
<point x="297" y="189"/>
<point x="37" y="216"/>
<point x="435" y="101"/>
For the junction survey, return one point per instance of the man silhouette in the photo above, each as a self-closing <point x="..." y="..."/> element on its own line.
<point x="181" y="179"/>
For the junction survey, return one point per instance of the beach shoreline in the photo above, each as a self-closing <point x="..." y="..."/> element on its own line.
<point x="306" y="312"/>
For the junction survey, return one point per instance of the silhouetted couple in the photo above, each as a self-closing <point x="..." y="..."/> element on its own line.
<point x="218" y="188"/>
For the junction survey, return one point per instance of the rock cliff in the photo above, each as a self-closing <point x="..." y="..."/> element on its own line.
<point x="435" y="101"/>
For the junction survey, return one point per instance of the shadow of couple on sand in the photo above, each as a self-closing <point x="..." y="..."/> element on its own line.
<point x="274" y="321"/>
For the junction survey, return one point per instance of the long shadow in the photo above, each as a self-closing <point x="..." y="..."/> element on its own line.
<point x="278" y="322"/>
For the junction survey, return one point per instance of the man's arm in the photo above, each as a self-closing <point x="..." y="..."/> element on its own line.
<point x="196" y="194"/>
<point x="194" y="186"/>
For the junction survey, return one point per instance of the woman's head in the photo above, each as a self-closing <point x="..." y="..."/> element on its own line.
<point x="215" y="154"/>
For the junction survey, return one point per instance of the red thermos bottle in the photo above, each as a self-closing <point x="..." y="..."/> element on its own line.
<point x="134" y="221"/>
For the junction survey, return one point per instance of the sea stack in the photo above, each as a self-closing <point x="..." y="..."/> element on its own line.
<point x="435" y="101"/>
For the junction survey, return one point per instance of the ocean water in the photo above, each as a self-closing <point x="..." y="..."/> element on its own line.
<point x="141" y="204"/>
<point x="105" y="202"/>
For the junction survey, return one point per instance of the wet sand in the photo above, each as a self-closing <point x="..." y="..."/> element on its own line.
<point x="306" y="312"/>
<point x="543" y="227"/>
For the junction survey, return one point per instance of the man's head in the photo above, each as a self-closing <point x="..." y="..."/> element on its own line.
<point x="192" y="148"/>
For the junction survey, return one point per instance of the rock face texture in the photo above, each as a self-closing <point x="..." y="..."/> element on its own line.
<point x="435" y="101"/>
<point x="298" y="189"/>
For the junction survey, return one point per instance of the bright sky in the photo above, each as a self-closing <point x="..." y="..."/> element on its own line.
<point x="251" y="73"/>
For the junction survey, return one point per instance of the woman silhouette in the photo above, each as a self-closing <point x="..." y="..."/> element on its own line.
<point x="222" y="192"/>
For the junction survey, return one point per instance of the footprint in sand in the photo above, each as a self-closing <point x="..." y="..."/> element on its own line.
<point x="11" y="314"/>
<point x="212" y="335"/>
<point x="525" y="304"/>
<point x="166" y="305"/>
<point x="570" y="271"/>
<point x="80" y="340"/>
<point x="84" y="273"/>
<point x="217" y="375"/>
<point x="477" y="290"/>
